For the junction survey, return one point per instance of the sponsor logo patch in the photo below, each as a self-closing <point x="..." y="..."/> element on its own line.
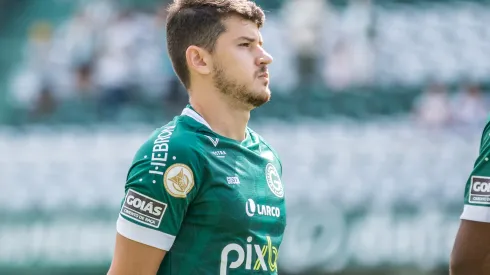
<point x="143" y="209"/>
<point x="178" y="180"/>
<point x="263" y="257"/>
<point x="251" y="208"/>
<point x="480" y="190"/>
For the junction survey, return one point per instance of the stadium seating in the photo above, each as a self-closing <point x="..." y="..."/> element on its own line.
<point x="365" y="184"/>
<point x="385" y="162"/>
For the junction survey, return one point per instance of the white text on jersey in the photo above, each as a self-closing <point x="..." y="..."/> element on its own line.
<point x="265" y="257"/>
<point x="219" y="154"/>
<point x="233" y="180"/>
<point x="262" y="210"/>
<point x="160" y="150"/>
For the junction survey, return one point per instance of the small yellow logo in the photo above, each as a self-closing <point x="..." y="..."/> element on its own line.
<point x="178" y="180"/>
<point x="272" y="253"/>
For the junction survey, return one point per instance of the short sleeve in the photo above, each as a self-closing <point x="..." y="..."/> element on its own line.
<point x="477" y="191"/>
<point x="161" y="183"/>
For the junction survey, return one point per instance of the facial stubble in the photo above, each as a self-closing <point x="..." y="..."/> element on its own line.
<point x="239" y="93"/>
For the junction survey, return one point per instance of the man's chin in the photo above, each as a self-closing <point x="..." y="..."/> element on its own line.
<point x="264" y="91"/>
<point x="260" y="99"/>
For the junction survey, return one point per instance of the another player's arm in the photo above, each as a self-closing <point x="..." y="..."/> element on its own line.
<point x="134" y="258"/>
<point x="162" y="182"/>
<point x="471" y="251"/>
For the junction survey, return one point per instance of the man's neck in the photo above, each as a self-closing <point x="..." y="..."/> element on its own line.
<point x="224" y="118"/>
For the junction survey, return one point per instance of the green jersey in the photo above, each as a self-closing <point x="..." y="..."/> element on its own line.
<point x="215" y="204"/>
<point x="477" y="191"/>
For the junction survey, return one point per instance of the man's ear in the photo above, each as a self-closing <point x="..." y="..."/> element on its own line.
<point x="198" y="60"/>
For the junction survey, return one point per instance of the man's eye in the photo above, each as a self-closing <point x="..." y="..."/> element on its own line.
<point x="244" y="45"/>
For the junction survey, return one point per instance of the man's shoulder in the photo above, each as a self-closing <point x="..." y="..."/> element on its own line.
<point x="176" y="138"/>
<point x="485" y="137"/>
<point x="262" y="141"/>
<point x="258" y="138"/>
<point x="486" y="129"/>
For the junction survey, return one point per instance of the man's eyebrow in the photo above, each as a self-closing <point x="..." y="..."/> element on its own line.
<point x="250" y="39"/>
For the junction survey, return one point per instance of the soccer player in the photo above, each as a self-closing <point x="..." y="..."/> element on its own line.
<point x="204" y="192"/>
<point x="471" y="251"/>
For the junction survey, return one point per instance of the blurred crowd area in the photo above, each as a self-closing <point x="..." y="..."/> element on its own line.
<point x="377" y="112"/>
<point x="106" y="60"/>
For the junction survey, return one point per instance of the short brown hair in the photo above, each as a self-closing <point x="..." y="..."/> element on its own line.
<point x="199" y="22"/>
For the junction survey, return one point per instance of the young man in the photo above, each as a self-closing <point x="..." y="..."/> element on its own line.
<point x="204" y="193"/>
<point x="471" y="251"/>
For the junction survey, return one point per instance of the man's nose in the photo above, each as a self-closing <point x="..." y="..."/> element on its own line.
<point x="265" y="59"/>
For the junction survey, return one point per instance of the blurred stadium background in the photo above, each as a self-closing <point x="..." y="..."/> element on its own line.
<point x="377" y="112"/>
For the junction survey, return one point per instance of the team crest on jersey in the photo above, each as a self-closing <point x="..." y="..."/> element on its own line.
<point x="178" y="180"/>
<point x="274" y="180"/>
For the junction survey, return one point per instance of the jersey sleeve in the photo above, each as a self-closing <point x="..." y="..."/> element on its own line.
<point x="477" y="190"/>
<point x="161" y="184"/>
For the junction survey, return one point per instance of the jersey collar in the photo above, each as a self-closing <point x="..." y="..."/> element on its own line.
<point x="190" y="112"/>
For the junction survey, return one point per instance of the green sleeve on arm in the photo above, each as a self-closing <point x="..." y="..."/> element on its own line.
<point x="161" y="184"/>
<point x="477" y="190"/>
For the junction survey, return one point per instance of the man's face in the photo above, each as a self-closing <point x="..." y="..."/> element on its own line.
<point x="240" y="63"/>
